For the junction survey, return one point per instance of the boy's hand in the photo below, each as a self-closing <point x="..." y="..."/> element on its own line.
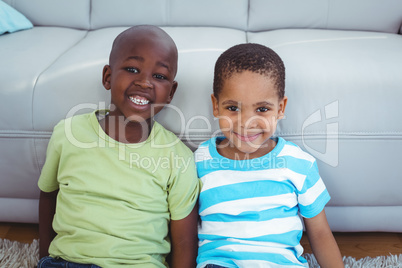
<point x="184" y="238"/>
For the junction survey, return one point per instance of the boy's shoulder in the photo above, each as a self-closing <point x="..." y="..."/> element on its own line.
<point x="167" y="139"/>
<point x="293" y="150"/>
<point x="207" y="143"/>
<point x="203" y="152"/>
<point x="77" y="119"/>
<point x="73" y="125"/>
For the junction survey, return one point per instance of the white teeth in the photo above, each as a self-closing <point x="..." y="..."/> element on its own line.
<point x="139" y="101"/>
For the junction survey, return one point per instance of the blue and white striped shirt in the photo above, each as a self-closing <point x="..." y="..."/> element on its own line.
<point x="250" y="208"/>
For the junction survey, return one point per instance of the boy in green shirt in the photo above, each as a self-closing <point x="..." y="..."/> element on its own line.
<point x="126" y="188"/>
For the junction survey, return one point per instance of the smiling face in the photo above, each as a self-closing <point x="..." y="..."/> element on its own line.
<point x="143" y="64"/>
<point x="248" y="108"/>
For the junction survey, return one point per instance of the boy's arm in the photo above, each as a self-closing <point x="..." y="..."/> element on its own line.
<point x="47" y="209"/>
<point x="184" y="241"/>
<point x="322" y="241"/>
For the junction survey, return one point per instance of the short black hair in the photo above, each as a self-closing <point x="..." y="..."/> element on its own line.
<point x="252" y="57"/>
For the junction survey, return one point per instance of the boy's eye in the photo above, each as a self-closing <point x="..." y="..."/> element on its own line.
<point x="160" y="76"/>
<point x="262" y="109"/>
<point x="233" y="108"/>
<point x="132" y="69"/>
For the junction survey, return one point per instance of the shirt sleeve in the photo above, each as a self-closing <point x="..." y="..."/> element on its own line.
<point x="314" y="195"/>
<point x="48" y="178"/>
<point x="184" y="186"/>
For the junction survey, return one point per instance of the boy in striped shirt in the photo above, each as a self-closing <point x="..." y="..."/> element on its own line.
<point x="255" y="187"/>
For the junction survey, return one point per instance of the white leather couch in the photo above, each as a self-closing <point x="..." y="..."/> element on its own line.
<point x="344" y="82"/>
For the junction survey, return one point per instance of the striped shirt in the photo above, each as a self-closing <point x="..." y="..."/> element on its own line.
<point x="250" y="209"/>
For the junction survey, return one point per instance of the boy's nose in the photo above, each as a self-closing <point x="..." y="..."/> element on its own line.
<point x="248" y="121"/>
<point x="143" y="82"/>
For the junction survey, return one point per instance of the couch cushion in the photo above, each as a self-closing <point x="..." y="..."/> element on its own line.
<point x="366" y="15"/>
<point x="72" y="13"/>
<point x="77" y="69"/>
<point x="107" y="13"/>
<point x="31" y="53"/>
<point x="270" y="14"/>
<point x="356" y="69"/>
<point x="225" y="13"/>
<point x="344" y="92"/>
<point x="365" y="219"/>
<point x="198" y="50"/>
<point x="19" y="210"/>
<point x="20" y="171"/>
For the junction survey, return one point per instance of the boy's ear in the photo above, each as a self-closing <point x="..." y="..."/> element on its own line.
<point x="172" y="91"/>
<point x="282" y="107"/>
<point x="106" y="77"/>
<point x="215" y="106"/>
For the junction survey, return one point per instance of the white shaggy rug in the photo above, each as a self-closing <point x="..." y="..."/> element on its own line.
<point x="19" y="255"/>
<point x="367" y="262"/>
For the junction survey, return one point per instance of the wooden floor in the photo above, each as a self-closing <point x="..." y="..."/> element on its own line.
<point x="357" y="245"/>
<point x="24" y="233"/>
<point x="360" y="245"/>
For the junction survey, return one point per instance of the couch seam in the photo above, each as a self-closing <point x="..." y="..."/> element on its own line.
<point x="90" y="15"/>
<point x="36" y="156"/>
<point x="26" y="135"/>
<point x="322" y="40"/>
<point x="248" y="19"/>
<point x="343" y="133"/>
<point x="314" y="135"/>
<point x="168" y="9"/>
<point x="13" y="131"/>
<point x="328" y="9"/>
<point x="5" y="131"/>
<point x="23" y="131"/>
<point x="44" y="70"/>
